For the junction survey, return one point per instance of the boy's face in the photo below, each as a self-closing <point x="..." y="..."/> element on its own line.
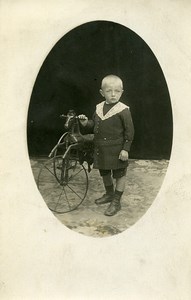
<point x="112" y="90"/>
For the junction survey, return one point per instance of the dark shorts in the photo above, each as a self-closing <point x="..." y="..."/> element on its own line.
<point x="118" y="173"/>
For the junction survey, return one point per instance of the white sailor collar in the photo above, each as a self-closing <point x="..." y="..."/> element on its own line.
<point x="113" y="111"/>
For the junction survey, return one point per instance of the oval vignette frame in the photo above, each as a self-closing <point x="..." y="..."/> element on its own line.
<point x="70" y="78"/>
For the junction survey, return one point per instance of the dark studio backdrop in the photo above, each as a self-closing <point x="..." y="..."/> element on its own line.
<point x="70" y="78"/>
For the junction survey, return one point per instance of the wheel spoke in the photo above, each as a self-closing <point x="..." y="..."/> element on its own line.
<point x="72" y="176"/>
<point x="59" y="199"/>
<point x="49" y="170"/>
<point x="74" y="192"/>
<point x="67" y="198"/>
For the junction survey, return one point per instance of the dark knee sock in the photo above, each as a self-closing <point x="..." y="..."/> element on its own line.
<point x="118" y="195"/>
<point x="109" y="189"/>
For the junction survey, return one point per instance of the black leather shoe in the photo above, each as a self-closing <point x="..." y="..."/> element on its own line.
<point x="113" y="208"/>
<point x="106" y="198"/>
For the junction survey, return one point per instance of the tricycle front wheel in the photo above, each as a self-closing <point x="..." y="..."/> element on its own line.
<point x="63" y="183"/>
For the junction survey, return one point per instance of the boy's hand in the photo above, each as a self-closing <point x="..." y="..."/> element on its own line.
<point x="83" y="119"/>
<point x="124" y="155"/>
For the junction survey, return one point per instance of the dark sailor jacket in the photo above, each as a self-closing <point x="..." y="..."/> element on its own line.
<point x="113" y="132"/>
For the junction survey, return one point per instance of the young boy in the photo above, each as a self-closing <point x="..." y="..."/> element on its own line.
<point x="113" y="135"/>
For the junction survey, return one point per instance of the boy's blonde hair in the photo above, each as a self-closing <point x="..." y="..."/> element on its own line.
<point x="109" y="77"/>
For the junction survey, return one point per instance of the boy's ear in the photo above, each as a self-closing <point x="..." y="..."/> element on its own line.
<point x="101" y="92"/>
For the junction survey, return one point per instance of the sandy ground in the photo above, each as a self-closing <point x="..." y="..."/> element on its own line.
<point x="144" y="179"/>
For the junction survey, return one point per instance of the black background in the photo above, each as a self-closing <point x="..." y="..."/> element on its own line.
<point x="70" y="78"/>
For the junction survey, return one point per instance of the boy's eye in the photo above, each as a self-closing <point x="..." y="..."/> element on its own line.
<point x="116" y="91"/>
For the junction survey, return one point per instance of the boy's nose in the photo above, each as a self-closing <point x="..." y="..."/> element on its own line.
<point x="113" y="93"/>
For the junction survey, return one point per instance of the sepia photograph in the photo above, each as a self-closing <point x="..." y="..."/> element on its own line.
<point x="100" y="128"/>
